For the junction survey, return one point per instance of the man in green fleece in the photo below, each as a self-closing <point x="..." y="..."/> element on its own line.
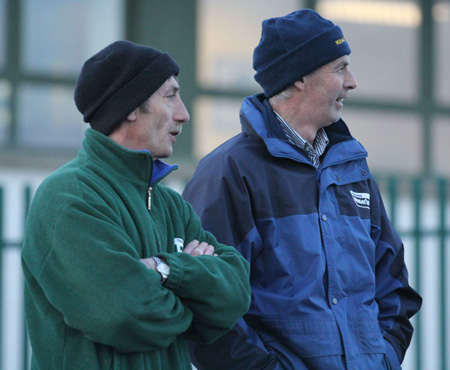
<point x="118" y="270"/>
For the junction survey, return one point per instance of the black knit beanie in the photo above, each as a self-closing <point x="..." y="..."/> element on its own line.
<point x="117" y="80"/>
<point x="293" y="46"/>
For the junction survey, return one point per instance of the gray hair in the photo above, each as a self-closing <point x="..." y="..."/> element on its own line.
<point x="282" y="96"/>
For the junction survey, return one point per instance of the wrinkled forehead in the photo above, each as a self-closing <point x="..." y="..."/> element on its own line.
<point x="339" y="62"/>
<point x="170" y="84"/>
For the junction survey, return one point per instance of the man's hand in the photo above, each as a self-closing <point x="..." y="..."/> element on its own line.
<point x="195" y="248"/>
<point x="149" y="263"/>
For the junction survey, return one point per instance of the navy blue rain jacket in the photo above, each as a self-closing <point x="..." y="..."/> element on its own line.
<point x="329" y="283"/>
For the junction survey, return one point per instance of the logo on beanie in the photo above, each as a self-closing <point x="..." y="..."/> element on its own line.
<point x="340" y="41"/>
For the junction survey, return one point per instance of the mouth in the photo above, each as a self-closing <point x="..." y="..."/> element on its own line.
<point x="174" y="134"/>
<point x="340" y="101"/>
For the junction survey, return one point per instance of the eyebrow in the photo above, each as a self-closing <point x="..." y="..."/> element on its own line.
<point x="343" y="63"/>
<point x="172" y="88"/>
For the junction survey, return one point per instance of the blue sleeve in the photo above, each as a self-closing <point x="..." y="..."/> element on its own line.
<point x="397" y="301"/>
<point x="225" y="210"/>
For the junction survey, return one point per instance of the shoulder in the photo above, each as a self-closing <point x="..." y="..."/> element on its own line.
<point x="57" y="185"/>
<point x="238" y="153"/>
<point x="73" y="185"/>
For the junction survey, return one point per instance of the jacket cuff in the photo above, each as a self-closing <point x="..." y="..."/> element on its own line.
<point x="176" y="272"/>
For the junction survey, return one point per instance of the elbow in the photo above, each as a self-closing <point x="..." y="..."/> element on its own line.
<point x="239" y="302"/>
<point x="234" y="304"/>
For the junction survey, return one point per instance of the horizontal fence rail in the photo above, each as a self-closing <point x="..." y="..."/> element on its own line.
<point x="418" y="207"/>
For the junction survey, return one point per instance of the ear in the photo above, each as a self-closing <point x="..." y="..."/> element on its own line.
<point x="132" y="116"/>
<point x="300" y="84"/>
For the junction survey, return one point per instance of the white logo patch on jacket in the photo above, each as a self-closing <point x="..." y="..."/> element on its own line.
<point x="178" y="244"/>
<point x="361" y="199"/>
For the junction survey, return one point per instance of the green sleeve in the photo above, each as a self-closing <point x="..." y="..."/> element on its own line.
<point x="215" y="288"/>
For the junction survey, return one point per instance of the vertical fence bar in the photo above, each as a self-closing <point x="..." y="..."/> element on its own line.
<point x="1" y="272"/>
<point x="417" y="232"/>
<point x="392" y="193"/>
<point x="25" y="346"/>
<point x="442" y="192"/>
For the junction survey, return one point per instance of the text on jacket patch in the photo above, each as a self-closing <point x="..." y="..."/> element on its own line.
<point x="361" y="199"/>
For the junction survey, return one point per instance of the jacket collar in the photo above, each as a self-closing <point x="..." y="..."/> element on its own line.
<point x="132" y="164"/>
<point x="259" y="120"/>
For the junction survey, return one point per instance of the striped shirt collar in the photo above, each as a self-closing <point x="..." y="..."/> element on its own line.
<point x="314" y="151"/>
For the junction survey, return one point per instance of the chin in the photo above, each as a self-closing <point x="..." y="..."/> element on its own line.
<point x="336" y="118"/>
<point x="166" y="154"/>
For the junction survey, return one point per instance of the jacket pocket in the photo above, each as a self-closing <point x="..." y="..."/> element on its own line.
<point x="370" y="337"/>
<point x="308" y="338"/>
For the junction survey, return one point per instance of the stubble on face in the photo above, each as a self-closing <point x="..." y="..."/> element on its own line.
<point x="163" y="118"/>
<point x="328" y="87"/>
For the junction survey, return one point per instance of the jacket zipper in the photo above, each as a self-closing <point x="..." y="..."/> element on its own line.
<point x="149" y="198"/>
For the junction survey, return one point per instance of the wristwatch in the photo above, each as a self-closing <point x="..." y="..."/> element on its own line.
<point x="162" y="268"/>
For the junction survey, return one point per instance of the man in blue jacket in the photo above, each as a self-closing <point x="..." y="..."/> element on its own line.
<point x="294" y="194"/>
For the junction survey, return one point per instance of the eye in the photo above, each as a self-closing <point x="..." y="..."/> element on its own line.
<point x="342" y="69"/>
<point x="172" y="94"/>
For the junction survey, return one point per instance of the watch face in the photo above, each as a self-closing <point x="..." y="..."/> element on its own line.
<point x="163" y="268"/>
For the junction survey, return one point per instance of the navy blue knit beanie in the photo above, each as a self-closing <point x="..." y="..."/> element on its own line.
<point x="293" y="46"/>
<point x="117" y="80"/>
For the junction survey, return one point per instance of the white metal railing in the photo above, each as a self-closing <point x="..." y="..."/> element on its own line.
<point x="421" y="220"/>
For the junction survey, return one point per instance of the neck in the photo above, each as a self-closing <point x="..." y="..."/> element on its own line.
<point x="296" y="120"/>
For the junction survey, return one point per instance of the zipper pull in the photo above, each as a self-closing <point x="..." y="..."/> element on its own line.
<point x="149" y="198"/>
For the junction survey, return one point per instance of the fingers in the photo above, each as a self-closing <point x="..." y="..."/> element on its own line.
<point x="149" y="263"/>
<point x="204" y="248"/>
<point x="195" y="248"/>
<point x="191" y="246"/>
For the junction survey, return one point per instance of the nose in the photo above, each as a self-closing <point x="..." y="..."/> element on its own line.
<point x="181" y="114"/>
<point x="350" y="82"/>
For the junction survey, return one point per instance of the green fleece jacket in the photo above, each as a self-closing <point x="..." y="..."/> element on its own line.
<point x="89" y="302"/>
